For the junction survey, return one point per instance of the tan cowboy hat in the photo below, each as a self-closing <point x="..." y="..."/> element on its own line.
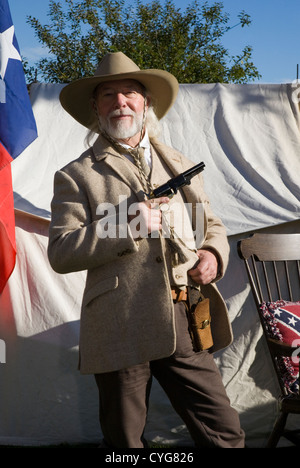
<point x="76" y="97"/>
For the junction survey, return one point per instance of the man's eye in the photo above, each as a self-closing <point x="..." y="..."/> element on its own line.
<point x="131" y="94"/>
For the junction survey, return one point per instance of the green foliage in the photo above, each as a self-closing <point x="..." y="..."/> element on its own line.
<point x="154" y="35"/>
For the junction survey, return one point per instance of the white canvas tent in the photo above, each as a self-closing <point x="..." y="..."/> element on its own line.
<point x="249" y="138"/>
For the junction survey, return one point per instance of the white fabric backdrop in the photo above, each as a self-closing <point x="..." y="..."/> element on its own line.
<point x="248" y="137"/>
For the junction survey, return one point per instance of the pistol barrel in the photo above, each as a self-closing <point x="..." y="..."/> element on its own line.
<point x="171" y="187"/>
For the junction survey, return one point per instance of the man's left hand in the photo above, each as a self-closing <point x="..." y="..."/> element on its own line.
<point x="206" y="269"/>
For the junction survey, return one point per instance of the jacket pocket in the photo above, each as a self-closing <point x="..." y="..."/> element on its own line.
<point x="100" y="288"/>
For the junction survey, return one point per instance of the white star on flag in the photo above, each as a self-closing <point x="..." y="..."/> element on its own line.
<point x="7" y="50"/>
<point x="292" y="321"/>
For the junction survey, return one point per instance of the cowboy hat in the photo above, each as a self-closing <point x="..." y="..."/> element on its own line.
<point x="76" y="96"/>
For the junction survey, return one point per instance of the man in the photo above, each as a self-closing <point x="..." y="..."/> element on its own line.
<point x="142" y="278"/>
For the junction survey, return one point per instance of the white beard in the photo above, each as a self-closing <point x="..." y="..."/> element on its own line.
<point x="120" y="130"/>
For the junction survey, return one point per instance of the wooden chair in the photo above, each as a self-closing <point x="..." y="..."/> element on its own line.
<point x="272" y="263"/>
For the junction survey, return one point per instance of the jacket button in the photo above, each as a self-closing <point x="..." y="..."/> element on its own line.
<point x="159" y="259"/>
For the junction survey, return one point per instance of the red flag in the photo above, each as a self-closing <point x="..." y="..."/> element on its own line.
<point x="17" y="131"/>
<point x="7" y="222"/>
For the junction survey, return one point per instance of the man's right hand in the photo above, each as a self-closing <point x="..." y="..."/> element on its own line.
<point x="145" y="217"/>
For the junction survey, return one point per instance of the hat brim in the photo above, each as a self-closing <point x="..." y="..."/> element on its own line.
<point x="76" y="96"/>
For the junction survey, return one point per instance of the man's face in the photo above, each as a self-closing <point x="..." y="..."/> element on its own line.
<point x="120" y="108"/>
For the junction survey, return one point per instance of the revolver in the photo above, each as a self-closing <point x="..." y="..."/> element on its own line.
<point x="170" y="188"/>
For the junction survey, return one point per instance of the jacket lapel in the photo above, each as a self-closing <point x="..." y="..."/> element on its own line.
<point x="173" y="160"/>
<point x="120" y="164"/>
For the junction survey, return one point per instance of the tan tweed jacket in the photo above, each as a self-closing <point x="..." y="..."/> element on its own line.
<point x="127" y="309"/>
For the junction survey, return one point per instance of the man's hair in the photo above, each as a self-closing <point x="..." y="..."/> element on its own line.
<point x="152" y="123"/>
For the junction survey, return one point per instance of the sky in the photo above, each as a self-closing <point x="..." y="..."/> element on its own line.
<point x="273" y="33"/>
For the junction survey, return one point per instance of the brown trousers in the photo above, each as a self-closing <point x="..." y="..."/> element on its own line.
<point x="193" y="385"/>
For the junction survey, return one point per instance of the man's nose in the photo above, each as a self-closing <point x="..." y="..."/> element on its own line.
<point x="120" y="100"/>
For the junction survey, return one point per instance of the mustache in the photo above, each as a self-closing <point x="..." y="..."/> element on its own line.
<point x="118" y="113"/>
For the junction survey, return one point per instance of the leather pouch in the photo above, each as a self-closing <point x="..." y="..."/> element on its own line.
<point x="200" y="325"/>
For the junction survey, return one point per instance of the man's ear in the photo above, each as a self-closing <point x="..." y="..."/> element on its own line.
<point x="147" y="101"/>
<point x="93" y="104"/>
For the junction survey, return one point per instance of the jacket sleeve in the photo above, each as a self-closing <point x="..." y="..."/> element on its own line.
<point x="215" y="234"/>
<point x="74" y="241"/>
